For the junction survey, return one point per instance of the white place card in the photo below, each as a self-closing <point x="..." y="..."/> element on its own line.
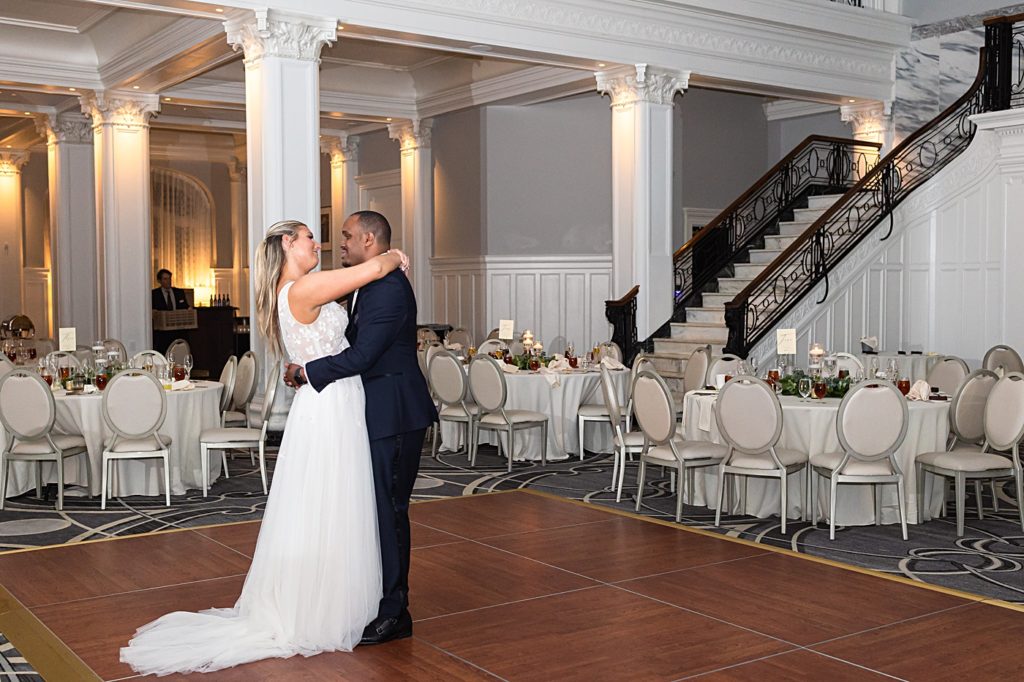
<point x="785" y="340"/>
<point x="506" y="329"/>
<point x="67" y="339"/>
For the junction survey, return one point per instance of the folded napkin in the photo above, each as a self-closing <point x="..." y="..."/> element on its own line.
<point x="869" y="343"/>
<point x="559" y="364"/>
<point x="612" y="363"/>
<point x="510" y="369"/>
<point x="919" y="391"/>
<point x="551" y="376"/>
<point x="453" y="346"/>
<point x="704" y="409"/>
<point x="183" y="385"/>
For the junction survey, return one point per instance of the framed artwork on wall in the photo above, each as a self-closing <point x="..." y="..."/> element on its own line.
<point x="325" y="228"/>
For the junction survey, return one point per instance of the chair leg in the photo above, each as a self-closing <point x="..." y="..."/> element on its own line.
<point x="167" y="479"/>
<point x="204" y="463"/>
<point x="995" y="497"/>
<point x="263" y="467"/>
<point x="833" y="484"/>
<point x="783" y="495"/>
<point x="902" y="503"/>
<point x="580" y="422"/>
<point x="615" y="468"/>
<point x="433" y="441"/>
<point x="544" y="444"/>
<point x="3" y="481"/>
<point x="977" y="497"/>
<point x="920" y="492"/>
<point x="640" y="475"/>
<point x="88" y="475"/>
<point x="622" y="475"/>
<point x="721" y="497"/>
<point x="103" y="488"/>
<point x="1018" y="478"/>
<point x="39" y="480"/>
<point x="474" y="437"/>
<point x="815" y="497"/>
<point x="60" y="482"/>
<point x="224" y="462"/>
<point x="876" y="493"/>
<point x="679" y="493"/>
<point x="960" y="484"/>
<point x="511" y="447"/>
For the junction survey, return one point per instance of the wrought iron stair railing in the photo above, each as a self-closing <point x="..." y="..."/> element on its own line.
<point x="807" y="261"/>
<point x="621" y="313"/>
<point x="819" y="164"/>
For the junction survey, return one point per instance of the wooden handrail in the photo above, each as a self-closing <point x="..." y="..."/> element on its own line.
<point x="1008" y="19"/>
<point x="764" y="180"/>
<point x="620" y="302"/>
<point x="869" y="178"/>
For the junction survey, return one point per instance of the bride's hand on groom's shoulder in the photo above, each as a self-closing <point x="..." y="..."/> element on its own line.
<point x="403" y="260"/>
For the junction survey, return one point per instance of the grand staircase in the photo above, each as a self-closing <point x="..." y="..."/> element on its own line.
<point x="705" y="325"/>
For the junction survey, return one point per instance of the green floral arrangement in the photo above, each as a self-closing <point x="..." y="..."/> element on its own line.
<point x="837" y="388"/>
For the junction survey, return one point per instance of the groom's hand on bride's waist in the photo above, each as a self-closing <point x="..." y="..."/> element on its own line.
<point x="294" y="375"/>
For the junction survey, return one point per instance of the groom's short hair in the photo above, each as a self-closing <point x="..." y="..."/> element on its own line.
<point x="374" y="222"/>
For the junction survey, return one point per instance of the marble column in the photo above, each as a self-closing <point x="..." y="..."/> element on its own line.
<point x="11" y="227"/>
<point x="641" y="101"/>
<point x="73" y="254"/>
<point x="125" y="262"/>
<point x="239" y="233"/>
<point x="282" y="112"/>
<point x="344" y="152"/>
<point x="417" y="208"/>
<point x="871" y="122"/>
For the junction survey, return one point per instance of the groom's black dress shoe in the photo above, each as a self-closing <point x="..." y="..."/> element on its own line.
<point x="384" y="629"/>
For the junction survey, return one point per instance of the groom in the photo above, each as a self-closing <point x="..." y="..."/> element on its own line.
<point x="382" y="334"/>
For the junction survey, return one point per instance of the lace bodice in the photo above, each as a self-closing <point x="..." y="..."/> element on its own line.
<point x="304" y="342"/>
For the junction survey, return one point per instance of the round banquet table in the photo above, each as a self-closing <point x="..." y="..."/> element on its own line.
<point x="913" y="366"/>
<point x="558" y="395"/>
<point x="188" y="413"/>
<point x="811" y="427"/>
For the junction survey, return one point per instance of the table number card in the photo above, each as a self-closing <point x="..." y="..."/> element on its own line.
<point x="785" y="340"/>
<point x="67" y="339"/>
<point x="506" y="329"/>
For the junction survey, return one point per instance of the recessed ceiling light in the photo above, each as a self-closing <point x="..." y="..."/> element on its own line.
<point x="27" y="113"/>
<point x="851" y="101"/>
<point x="167" y="99"/>
<point x="600" y="64"/>
<point x="341" y="27"/>
<point x="72" y="89"/>
<point x="219" y="9"/>
<point x="336" y="114"/>
<point x="8" y="146"/>
<point x="481" y="48"/>
<point x="387" y="119"/>
<point x="184" y="108"/>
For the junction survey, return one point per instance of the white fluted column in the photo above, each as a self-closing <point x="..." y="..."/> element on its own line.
<point x="125" y="264"/>
<point x="641" y="100"/>
<point x="344" y="152"/>
<point x="282" y="110"/>
<point x="417" y="208"/>
<point x="11" y="227"/>
<point x="73" y="254"/>
<point x="239" y="234"/>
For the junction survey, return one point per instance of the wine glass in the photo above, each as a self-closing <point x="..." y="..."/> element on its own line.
<point x="893" y="371"/>
<point x="830" y="366"/>
<point x="820" y="387"/>
<point x="187" y="362"/>
<point x="804" y="388"/>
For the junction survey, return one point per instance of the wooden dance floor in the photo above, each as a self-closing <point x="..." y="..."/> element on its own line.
<point x="526" y="586"/>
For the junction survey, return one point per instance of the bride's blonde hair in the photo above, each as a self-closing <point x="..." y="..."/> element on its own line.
<point x="266" y="271"/>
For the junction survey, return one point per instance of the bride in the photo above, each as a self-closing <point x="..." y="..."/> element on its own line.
<point x="315" y="580"/>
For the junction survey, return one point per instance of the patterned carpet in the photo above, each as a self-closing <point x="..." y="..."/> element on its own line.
<point x="988" y="561"/>
<point x="13" y="666"/>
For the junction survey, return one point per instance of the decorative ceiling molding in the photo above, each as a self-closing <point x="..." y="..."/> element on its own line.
<point x="340" y="61"/>
<point x="36" y="71"/>
<point x="81" y="27"/>
<point x="158" y="48"/>
<point x="789" y="108"/>
<point x="507" y="86"/>
<point x="368" y="105"/>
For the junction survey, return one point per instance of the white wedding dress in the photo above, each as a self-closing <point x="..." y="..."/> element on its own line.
<point x="315" y="578"/>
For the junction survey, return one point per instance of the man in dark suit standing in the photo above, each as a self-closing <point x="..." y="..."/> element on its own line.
<point x="382" y="334"/>
<point x="166" y="297"/>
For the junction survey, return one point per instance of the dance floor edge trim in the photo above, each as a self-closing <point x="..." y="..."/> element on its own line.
<point x="53" y="659"/>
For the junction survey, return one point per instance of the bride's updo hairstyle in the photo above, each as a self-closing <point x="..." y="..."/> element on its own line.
<point x="266" y="271"/>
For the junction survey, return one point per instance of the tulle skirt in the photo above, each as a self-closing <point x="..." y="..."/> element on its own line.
<point x="315" y="580"/>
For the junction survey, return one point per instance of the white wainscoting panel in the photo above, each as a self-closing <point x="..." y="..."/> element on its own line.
<point x="37" y="303"/>
<point x="550" y="295"/>
<point x="947" y="279"/>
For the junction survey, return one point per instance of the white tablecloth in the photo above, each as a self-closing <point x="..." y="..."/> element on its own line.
<point x="533" y="391"/>
<point x="811" y="427"/>
<point x="188" y="413"/>
<point x="914" y="366"/>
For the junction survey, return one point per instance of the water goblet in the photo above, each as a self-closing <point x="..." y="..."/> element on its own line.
<point x="188" y="364"/>
<point x="804" y="388"/>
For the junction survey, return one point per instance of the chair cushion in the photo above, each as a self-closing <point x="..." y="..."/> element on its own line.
<point x="42" y="447"/>
<point x="689" y="450"/>
<point x="763" y="461"/>
<point x="965" y="460"/>
<point x="456" y="411"/>
<point x="147" y="444"/>
<point x="514" y="416"/>
<point x="634" y="439"/>
<point x="830" y="460"/>
<point x="232" y="416"/>
<point x="230" y="435"/>
<point x="592" y="411"/>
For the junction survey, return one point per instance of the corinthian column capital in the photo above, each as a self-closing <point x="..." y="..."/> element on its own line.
<point x="341" y="147"/>
<point x="11" y="161"/>
<point x="628" y="85"/>
<point x="411" y="135"/>
<point x="66" y="127"/>
<point x="120" y="109"/>
<point x="269" y="33"/>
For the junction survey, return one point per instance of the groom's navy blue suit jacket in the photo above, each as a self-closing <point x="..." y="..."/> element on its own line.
<point x="382" y="337"/>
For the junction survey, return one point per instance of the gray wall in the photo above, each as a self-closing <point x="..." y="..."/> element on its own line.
<point x="378" y="152"/>
<point x="787" y="133"/>
<point x="35" y="206"/>
<point x="548" y="177"/>
<point x="458" y="184"/>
